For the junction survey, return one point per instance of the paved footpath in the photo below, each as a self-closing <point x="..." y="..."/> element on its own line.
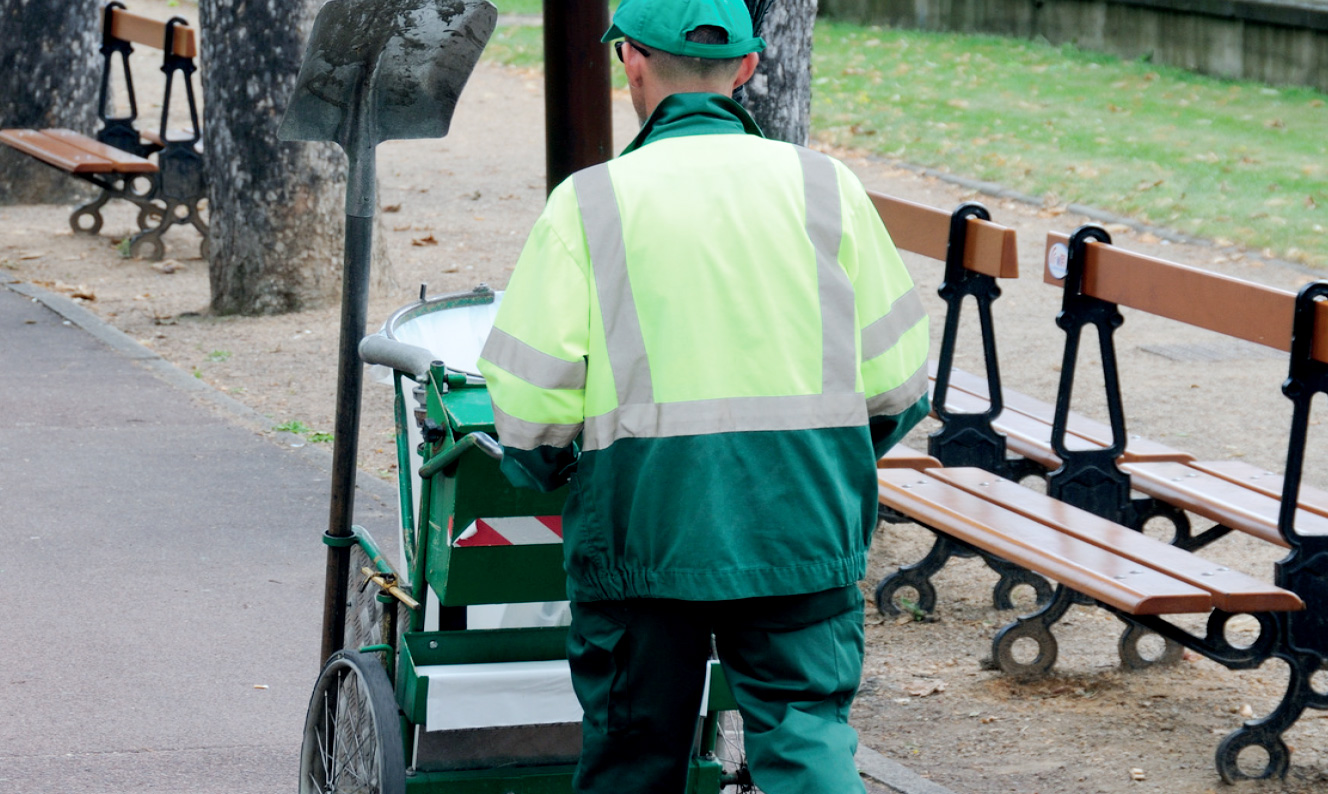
<point x="161" y="574"/>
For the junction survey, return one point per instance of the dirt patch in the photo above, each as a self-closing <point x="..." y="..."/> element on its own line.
<point x="460" y="209"/>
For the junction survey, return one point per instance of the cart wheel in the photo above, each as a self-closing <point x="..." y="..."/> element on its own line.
<point x="732" y="754"/>
<point x="352" y="736"/>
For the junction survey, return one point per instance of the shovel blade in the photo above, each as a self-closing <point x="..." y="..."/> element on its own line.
<point x="378" y="70"/>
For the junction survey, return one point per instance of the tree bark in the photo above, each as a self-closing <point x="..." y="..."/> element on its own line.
<point x="779" y="95"/>
<point x="276" y="210"/>
<point x="50" y="76"/>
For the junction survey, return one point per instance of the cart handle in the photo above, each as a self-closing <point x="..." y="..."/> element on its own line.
<point x="485" y="442"/>
<point x="411" y="359"/>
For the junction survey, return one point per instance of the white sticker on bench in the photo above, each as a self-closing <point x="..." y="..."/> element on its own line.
<point x="1058" y="260"/>
<point x="499" y="694"/>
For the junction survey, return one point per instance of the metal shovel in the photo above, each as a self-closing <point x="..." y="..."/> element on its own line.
<point x="375" y="70"/>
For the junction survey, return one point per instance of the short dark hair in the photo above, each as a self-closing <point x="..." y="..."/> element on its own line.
<point x="675" y="67"/>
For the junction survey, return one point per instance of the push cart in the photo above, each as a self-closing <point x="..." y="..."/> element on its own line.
<point x="446" y="670"/>
<point x="453" y="675"/>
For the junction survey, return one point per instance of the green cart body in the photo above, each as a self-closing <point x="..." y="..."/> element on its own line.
<point x="419" y="700"/>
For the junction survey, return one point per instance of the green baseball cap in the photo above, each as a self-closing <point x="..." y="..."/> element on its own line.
<point x="664" y="25"/>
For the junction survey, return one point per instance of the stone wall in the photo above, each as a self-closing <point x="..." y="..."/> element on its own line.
<point x="1276" y="43"/>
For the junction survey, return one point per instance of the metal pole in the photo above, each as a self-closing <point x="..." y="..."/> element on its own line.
<point x="577" y="111"/>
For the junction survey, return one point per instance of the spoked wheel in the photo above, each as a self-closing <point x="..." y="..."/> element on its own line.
<point x="732" y="755"/>
<point x="352" y="737"/>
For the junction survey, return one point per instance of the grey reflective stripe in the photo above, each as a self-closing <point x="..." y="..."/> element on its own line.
<point x="886" y="332"/>
<point x="608" y="259"/>
<point x="520" y="434"/>
<point x="900" y="398"/>
<point x="839" y="369"/>
<point x="533" y="366"/>
<point x="726" y="415"/>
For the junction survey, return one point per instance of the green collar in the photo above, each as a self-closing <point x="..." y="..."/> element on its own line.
<point x="694" y="114"/>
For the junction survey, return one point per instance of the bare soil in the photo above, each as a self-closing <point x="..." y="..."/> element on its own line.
<point x="455" y="213"/>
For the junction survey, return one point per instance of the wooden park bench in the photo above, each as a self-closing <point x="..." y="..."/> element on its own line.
<point x="976" y="252"/>
<point x="1142" y="580"/>
<point x="118" y="160"/>
<point x="1012" y="436"/>
<point x="975" y="431"/>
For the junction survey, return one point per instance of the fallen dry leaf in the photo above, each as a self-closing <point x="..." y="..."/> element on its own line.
<point x="74" y="291"/>
<point x="429" y="240"/>
<point x="392" y="208"/>
<point x="922" y="687"/>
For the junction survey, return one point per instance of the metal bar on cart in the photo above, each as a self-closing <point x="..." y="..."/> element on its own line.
<point x="478" y="440"/>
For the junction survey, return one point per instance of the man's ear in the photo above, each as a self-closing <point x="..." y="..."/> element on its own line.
<point x="746" y="69"/>
<point x="634" y="65"/>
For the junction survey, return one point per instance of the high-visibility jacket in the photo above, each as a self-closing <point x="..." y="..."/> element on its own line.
<point x="716" y="319"/>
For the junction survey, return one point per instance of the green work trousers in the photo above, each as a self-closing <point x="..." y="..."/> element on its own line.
<point x="793" y="663"/>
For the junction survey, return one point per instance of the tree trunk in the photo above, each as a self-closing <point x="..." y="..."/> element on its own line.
<point x="779" y="96"/>
<point x="276" y="210"/>
<point x="50" y="76"/>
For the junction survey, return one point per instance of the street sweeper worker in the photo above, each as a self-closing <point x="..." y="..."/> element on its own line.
<point x="710" y="340"/>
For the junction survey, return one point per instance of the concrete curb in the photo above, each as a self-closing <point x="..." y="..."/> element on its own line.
<point x="893" y="775"/>
<point x="125" y="345"/>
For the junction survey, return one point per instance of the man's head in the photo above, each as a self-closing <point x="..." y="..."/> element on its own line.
<point x="676" y="46"/>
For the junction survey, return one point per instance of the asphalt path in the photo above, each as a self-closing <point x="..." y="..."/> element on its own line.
<point x="161" y="574"/>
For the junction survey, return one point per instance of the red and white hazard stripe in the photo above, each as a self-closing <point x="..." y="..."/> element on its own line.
<point x="513" y="531"/>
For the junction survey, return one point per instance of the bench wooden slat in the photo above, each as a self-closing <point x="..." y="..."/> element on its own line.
<point x="1220" y="500"/>
<point x="124" y="162"/>
<point x="902" y="457"/>
<point x="56" y="152"/>
<point x="990" y="249"/>
<point x="141" y="30"/>
<point x="1232" y="590"/>
<point x="1263" y="481"/>
<point x="1099" y="434"/>
<point x="1253" y="312"/>
<point x="1089" y="569"/>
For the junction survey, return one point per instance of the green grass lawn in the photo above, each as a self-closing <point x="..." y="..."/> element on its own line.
<point x="1235" y="162"/>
